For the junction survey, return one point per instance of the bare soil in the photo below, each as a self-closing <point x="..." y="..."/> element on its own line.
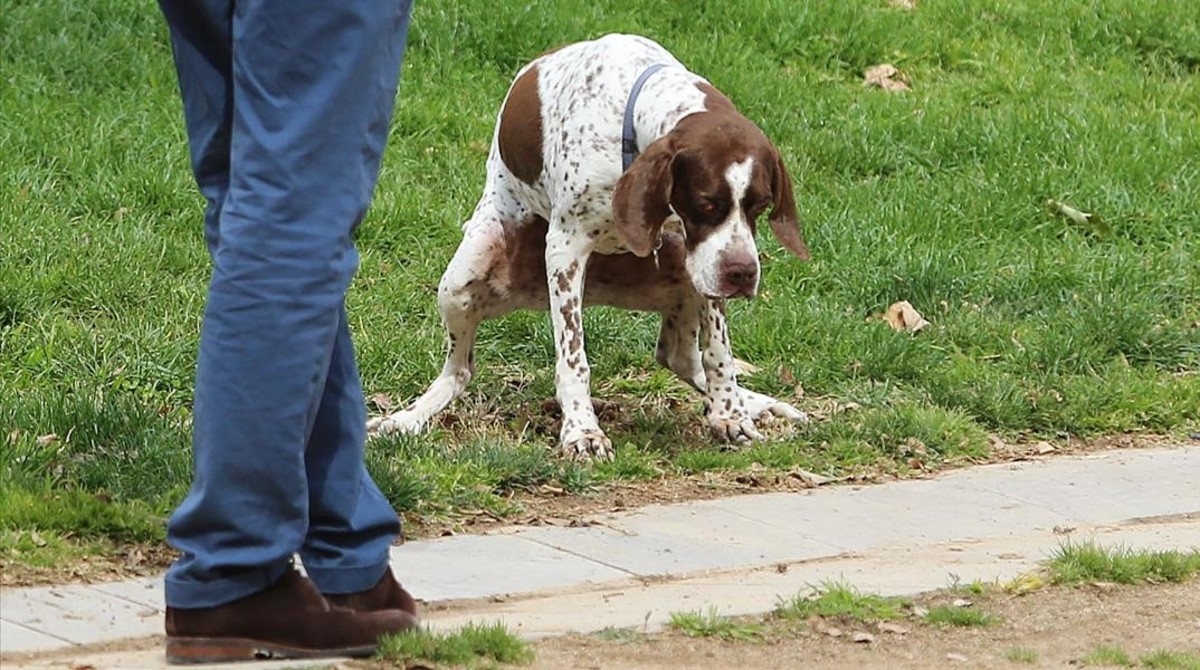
<point x="1052" y="627"/>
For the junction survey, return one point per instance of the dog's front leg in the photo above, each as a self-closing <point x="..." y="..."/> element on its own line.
<point x="725" y="405"/>
<point x="566" y="263"/>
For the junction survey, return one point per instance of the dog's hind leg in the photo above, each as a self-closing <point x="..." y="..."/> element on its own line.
<point x="467" y="295"/>
<point x="678" y="349"/>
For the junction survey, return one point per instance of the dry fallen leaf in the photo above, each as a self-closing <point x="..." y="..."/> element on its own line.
<point x="786" y="376"/>
<point x="810" y="478"/>
<point x="741" y="367"/>
<point x="1030" y="581"/>
<point x="903" y="316"/>
<point x="885" y="76"/>
<point x="382" y="401"/>
<point x="1092" y="222"/>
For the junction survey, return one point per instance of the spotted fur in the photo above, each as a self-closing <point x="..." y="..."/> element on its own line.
<point x="560" y="226"/>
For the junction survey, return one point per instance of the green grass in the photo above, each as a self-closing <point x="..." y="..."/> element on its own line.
<point x="621" y="635"/>
<point x="1107" y="656"/>
<point x="1087" y="562"/>
<point x="1040" y="326"/>
<point x="841" y="600"/>
<point x="473" y="645"/>
<point x="42" y="550"/>
<point x="1023" y="655"/>
<point x="964" y="617"/>
<point x="976" y="587"/>
<point x="1176" y="660"/>
<point x="1110" y="656"/>
<point x="710" y="624"/>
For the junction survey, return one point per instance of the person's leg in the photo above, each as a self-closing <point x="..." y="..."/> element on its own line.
<point x="352" y="524"/>
<point x="203" y="50"/>
<point x="309" y="83"/>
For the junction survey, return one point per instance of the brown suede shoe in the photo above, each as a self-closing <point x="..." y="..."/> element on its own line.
<point x="385" y="595"/>
<point x="289" y="620"/>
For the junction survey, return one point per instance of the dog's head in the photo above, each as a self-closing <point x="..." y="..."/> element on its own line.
<point x="718" y="173"/>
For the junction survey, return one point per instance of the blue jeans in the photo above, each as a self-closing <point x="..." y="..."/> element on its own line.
<point x="287" y="105"/>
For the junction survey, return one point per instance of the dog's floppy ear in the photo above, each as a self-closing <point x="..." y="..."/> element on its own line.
<point x="642" y="198"/>
<point x="783" y="219"/>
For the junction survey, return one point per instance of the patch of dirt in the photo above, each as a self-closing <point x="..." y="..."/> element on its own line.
<point x="123" y="562"/>
<point x="1053" y="627"/>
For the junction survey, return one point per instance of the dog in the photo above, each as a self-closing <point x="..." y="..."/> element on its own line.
<point x="616" y="177"/>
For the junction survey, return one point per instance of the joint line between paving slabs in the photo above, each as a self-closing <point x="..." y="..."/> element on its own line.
<point x="583" y="556"/>
<point x="31" y="629"/>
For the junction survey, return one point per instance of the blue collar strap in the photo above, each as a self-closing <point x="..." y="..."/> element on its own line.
<point x="629" y="148"/>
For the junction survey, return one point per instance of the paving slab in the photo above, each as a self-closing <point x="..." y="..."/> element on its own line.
<point x="78" y="614"/>
<point x="861" y="517"/>
<point x="480" y="566"/>
<point x="1099" y="487"/>
<point x="672" y="540"/>
<point x="145" y="591"/>
<point x="22" y="638"/>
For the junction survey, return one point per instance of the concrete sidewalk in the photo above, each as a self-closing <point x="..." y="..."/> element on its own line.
<point x="738" y="554"/>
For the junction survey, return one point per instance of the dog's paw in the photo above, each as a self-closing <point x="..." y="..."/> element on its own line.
<point x="588" y="445"/>
<point x="392" y="424"/>
<point x="734" y="430"/>
<point x="786" y="411"/>
<point x="758" y="404"/>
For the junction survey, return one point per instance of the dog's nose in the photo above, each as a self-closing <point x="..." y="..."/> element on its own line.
<point x="741" y="276"/>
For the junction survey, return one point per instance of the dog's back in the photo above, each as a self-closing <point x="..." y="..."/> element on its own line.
<point x="557" y="143"/>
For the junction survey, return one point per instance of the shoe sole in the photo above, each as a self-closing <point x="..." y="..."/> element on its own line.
<point x="197" y="650"/>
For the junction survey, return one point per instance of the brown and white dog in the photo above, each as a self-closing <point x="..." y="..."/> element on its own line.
<point x="561" y="224"/>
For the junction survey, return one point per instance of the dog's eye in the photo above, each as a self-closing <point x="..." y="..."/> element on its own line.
<point x="759" y="206"/>
<point x="706" y="206"/>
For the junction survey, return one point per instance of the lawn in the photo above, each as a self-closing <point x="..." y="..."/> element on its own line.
<point x="1042" y="327"/>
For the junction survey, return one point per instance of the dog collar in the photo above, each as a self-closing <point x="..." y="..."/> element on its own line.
<point x="629" y="148"/>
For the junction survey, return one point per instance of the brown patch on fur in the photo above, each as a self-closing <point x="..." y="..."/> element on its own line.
<point x="520" y="134"/>
<point x="714" y="100"/>
<point x="525" y="245"/>
<point x="620" y="280"/>
<point x="571" y="318"/>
